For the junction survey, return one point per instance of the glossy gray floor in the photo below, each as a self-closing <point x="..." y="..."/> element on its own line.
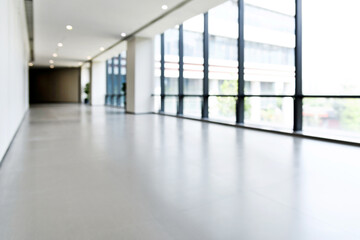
<point x="75" y="172"/>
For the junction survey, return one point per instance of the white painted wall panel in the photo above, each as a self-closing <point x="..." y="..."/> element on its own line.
<point x="14" y="55"/>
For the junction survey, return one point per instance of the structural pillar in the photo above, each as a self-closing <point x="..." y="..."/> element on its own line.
<point x="97" y="82"/>
<point x="140" y="75"/>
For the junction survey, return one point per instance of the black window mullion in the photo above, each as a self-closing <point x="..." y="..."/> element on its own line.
<point x="119" y="82"/>
<point x="162" y="76"/>
<point x="113" y="80"/>
<point x="298" y="108"/>
<point x="240" y="103"/>
<point x="180" y="109"/>
<point x="205" y="103"/>
<point x="107" y="83"/>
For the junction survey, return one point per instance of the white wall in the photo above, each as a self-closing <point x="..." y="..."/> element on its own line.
<point x="14" y="55"/>
<point x="98" y="83"/>
<point x="140" y="74"/>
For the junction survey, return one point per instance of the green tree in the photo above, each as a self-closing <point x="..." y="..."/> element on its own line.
<point x="350" y="115"/>
<point x="227" y="105"/>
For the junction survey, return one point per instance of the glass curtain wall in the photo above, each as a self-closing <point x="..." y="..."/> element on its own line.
<point x="330" y="69"/>
<point x="294" y="70"/>
<point x="116" y="81"/>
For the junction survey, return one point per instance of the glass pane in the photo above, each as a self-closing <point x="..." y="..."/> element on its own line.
<point x="114" y="100"/>
<point x="172" y="61"/>
<point x="193" y="86"/>
<point x="193" y="55"/>
<point x="171" y="85"/>
<point x="269" y="34"/>
<point x="223" y="64"/>
<point x="331" y="47"/>
<point x="171" y="105"/>
<point x="222" y="108"/>
<point x="121" y="101"/>
<point x="332" y="117"/>
<point x="274" y="112"/>
<point x="116" y="66"/>
<point x="285" y="7"/>
<point x="223" y="87"/>
<point x="192" y="106"/>
<point x="107" y="100"/>
<point x="157" y="64"/>
<point x="123" y="63"/>
<point x="123" y="74"/>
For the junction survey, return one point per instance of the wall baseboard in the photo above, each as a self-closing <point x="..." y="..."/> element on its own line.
<point x="13" y="138"/>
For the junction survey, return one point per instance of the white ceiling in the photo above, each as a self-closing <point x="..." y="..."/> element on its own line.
<point x="99" y="23"/>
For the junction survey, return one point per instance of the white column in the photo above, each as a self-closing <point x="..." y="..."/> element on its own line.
<point x="98" y="83"/>
<point x="85" y="78"/>
<point x="140" y="74"/>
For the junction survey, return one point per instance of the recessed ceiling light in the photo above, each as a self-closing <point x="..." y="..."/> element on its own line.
<point x="102" y="49"/>
<point x="51" y="61"/>
<point x="123" y="34"/>
<point x="164" y="7"/>
<point x="52" y="66"/>
<point x="60" y="44"/>
<point x="69" y="27"/>
<point x="31" y="64"/>
<point x="88" y="57"/>
<point x="54" y="55"/>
